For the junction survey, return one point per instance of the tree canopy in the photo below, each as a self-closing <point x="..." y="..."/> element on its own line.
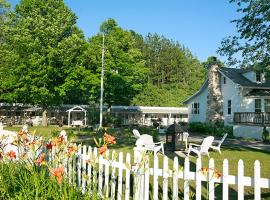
<point x="45" y="60"/>
<point x="174" y="73"/>
<point x="252" y="42"/>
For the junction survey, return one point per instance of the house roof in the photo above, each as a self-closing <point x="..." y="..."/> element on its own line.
<point x="205" y="85"/>
<point x="258" y="93"/>
<point x="236" y="76"/>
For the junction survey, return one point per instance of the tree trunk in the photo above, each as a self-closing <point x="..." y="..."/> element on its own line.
<point x="44" y="118"/>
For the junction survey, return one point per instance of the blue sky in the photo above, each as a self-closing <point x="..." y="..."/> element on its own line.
<point x="200" y="25"/>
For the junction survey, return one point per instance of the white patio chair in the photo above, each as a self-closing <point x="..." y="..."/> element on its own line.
<point x="146" y="143"/>
<point x="136" y="133"/>
<point x="203" y="148"/>
<point x="185" y="139"/>
<point x="217" y="147"/>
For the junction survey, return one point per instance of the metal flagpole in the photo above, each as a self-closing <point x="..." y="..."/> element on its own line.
<point x="101" y="84"/>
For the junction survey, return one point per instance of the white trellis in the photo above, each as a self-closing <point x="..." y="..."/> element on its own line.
<point x="76" y="109"/>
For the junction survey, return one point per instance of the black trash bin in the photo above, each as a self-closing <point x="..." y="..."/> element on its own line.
<point x="174" y="138"/>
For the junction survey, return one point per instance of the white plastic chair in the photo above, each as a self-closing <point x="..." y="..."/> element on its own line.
<point x="217" y="147"/>
<point x="185" y="138"/>
<point x="146" y="143"/>
<point x="136" y="133"/>
<point x="203" y="148"/>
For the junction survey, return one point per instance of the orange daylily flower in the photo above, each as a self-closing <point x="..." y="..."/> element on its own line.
<point x="109" y="139"/>
<point x="11" y="154"/>
<point x="58" y="173"/>
<point x="204" y="170"/>
<point x="41" y="160"/>
<point x="102" y="150"/>
<point x="217" y="174"/>
<point x="21" y="133"/>
<point x="71" y="150"/>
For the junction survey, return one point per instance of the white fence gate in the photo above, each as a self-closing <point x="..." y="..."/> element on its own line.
<point x="115" y="178"/>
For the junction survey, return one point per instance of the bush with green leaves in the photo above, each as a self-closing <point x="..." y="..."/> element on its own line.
<point x="214" y="128"/>
<point x="265" y="135"/>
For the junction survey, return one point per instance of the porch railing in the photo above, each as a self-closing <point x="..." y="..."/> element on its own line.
<point x="256" y="118"/>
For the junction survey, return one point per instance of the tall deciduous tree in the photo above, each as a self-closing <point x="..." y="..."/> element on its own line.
<point x="253" y="39"/>
<point x="41" y="55"/>
<point x="125" y="71"/>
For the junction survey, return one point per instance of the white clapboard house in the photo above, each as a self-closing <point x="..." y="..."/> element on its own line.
<point x="245" y="101"/>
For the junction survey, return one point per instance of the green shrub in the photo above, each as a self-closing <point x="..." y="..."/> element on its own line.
<point x="265" y="135"/>
<point x="217" y="128"/>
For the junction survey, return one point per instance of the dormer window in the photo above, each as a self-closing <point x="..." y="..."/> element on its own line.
<point x="258" y="77"/>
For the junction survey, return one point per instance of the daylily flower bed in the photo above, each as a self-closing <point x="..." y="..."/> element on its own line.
<point x="33" y="167"/>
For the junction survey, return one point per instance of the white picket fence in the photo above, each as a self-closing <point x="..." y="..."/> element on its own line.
<point x="116" y="178"/>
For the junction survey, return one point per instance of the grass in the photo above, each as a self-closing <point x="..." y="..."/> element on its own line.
<point x="126" y="141"/>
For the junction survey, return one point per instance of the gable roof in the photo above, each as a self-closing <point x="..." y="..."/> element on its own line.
<point x="204" y="85"/>
<point x="236" y="75"/>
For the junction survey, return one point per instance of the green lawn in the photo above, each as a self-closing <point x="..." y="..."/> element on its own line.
<point x="126" y="141"/>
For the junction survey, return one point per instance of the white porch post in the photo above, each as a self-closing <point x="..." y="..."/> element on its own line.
<point x="169" y="119"/>
<point x="68" y="118"/>
<point x="84" y="118"/>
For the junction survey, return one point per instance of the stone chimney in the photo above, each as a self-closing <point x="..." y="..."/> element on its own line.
<point x="214" y="99"/>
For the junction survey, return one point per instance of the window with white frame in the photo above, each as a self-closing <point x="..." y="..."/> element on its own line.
<point x="195" y="108"/>
<point x="258" y="105"/>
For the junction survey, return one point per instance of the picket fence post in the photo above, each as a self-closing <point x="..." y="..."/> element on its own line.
<point x="225" y="175"/>
<point x="100" y="175"/>
<point x="127" y="191"/>
<point x="84" y="169"/>
<point x="175" y="178"/>
<point x="211" y="183"/>
<point x="155" y="178"/>
<point x="146" y="179"/>
<point x="240" y="177"/>
<point x="79" y="165"/>
<point x="186" y="179"/>
<point x="106" y="181"/>
<point x="89" y="167"/>
<point x="113" y="177"/>
<point x="120" y="176"/>
<point x="198" y="176"/>
<point x="165" y="178"/>
<point x="257" y="176"/>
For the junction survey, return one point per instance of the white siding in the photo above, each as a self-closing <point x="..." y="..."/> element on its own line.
<point x="202" y="99"/>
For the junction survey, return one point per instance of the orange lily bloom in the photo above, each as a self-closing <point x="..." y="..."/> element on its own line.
<point x="102" y="150"/>
<point x="109" y="139"/>
<point x="71" y="150"/>
<point x="11" y="154"/>
<point x="41" y="160"/>
<point x="58" y="173"/>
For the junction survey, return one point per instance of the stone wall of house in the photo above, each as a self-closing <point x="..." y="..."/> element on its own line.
<point x="214" y="99"/>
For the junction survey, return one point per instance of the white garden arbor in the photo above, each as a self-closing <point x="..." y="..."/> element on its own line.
<point x="76" y="122"/>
